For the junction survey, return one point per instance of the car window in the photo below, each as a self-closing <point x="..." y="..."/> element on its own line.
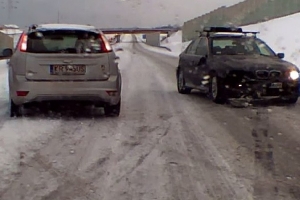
<point x="202" y="48"/>
<point x="63" y="41"/>
<point x="264" y="48"/>
<point x="189" y="47"/>
<point x="240" y="46"/>
<point x="192" y="49"/>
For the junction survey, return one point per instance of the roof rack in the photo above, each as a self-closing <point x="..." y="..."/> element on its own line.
<point x="32" y="27"/>
<point x="209" y="31"/>
<point x="223" y="29"/>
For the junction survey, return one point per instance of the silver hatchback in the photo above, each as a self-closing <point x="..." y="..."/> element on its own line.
<point x="64" y="62"/>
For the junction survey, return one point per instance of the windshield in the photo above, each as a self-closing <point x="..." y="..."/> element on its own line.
<point x="63" y="41"/>
<point x="240" y="46"/>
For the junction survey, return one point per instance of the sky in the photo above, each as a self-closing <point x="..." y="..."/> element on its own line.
<point x="106" y="13"/>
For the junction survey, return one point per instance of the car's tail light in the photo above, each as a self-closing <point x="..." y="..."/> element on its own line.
<point x="22" y="46"/>
<point x="22" y="93"/>
<point x="105" y="46"/>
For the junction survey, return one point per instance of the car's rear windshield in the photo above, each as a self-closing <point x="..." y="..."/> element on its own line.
<point x="240" y="46"/>
<point x="64" y="41"/>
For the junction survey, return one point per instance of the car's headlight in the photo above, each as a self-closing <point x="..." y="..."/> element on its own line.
<point x="294" y="75"/>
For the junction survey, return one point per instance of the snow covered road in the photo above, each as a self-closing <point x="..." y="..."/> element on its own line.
<point x="163" y="146"/>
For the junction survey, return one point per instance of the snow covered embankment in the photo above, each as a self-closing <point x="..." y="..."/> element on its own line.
<point x="280" y="34"/>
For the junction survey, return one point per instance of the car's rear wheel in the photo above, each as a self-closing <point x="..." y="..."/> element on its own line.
<point x="113" y="110"/>
<point x="15" y="110"/>
<point x="216" y="90"/>
<point x="181" y="87"/>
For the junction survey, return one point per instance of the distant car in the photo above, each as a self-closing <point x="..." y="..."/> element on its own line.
<point x="230" y="63"/>
<point x="64" y="62"/>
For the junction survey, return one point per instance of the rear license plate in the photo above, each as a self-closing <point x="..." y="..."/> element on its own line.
<point x="67" y="69"/>
<point x="276" y="85"/>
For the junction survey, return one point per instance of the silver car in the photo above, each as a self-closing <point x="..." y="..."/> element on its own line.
<point x="64" y="62"/>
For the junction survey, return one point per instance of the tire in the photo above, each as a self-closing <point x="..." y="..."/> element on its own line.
<point x="15" y="110"/>
<point x="217" y="90"/>
<point x="113" y="110"/>
<point x="292" y="100"/>
<point x="182" y="89"/>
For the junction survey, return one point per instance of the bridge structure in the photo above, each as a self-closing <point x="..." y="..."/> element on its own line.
<point x="138" y="30"/>
<point x="152" y="35"/>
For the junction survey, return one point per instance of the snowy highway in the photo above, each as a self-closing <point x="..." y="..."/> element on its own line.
<point x="164" y="145"/>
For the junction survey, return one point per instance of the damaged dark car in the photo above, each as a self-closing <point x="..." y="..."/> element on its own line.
<point x="229" y="63"/>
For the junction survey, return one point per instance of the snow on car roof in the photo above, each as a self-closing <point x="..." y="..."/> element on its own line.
<point x="229" y="33"/>
<point x="66" y="26"/>
<point x="220" y="34"/>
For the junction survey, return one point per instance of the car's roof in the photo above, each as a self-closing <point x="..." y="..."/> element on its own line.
<point x="231" y="35"/>
<point x="66" y="27"/>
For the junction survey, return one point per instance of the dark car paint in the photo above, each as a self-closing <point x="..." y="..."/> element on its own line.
<point x="223" y="63"/>
<point x="195" y="70"/>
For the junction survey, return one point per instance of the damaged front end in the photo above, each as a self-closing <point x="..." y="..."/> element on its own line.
<point x="259" y="85"/>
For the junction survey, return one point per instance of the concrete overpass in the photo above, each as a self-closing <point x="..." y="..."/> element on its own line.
<point x="152" y="35"/>
<point x="138" y="30"/>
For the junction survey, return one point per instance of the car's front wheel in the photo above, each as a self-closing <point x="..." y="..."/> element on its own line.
<point x="292" y="100"/>
<point x="181" y="87"/>
<point x="113" y="110"/>
<point x="216" y="90"/>
<point x="15" y="110"/>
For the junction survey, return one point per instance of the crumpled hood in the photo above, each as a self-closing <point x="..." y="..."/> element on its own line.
<point x="251" y="62"/>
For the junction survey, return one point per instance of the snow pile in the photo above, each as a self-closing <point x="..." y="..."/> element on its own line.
<point x="173" y="38"/>
<point x="140" y="37"/>
<point x="173" y="43"/>
<point x="13" y="26"/>
<point x="4" y="82"/>
<point x="126" y="38"/>
<point x="110" y="36"/>
<point x="281" y="35"/>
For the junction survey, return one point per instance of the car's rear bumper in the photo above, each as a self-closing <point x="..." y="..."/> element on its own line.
<point x="107" y="92"/>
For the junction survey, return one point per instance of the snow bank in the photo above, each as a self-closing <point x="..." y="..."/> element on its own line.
<point x="173" y="43"/>
<point x="174" y="38"/>
<point x="110" y="36"/>
<point x="140" y="38"/>
<point x="126" y="38"/>
<point x="282" y="35"/>
<point x="4" y="82"/>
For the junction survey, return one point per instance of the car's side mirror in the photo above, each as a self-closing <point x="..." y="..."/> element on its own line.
<point x="7" y="53"/>
<point x="280" y="55"/>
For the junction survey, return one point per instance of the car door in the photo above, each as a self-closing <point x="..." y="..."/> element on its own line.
<point x="188" y="59"/>
<point x="200" y="67"/>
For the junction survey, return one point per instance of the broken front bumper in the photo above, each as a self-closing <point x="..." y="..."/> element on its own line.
<point x="262" y="89"/>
